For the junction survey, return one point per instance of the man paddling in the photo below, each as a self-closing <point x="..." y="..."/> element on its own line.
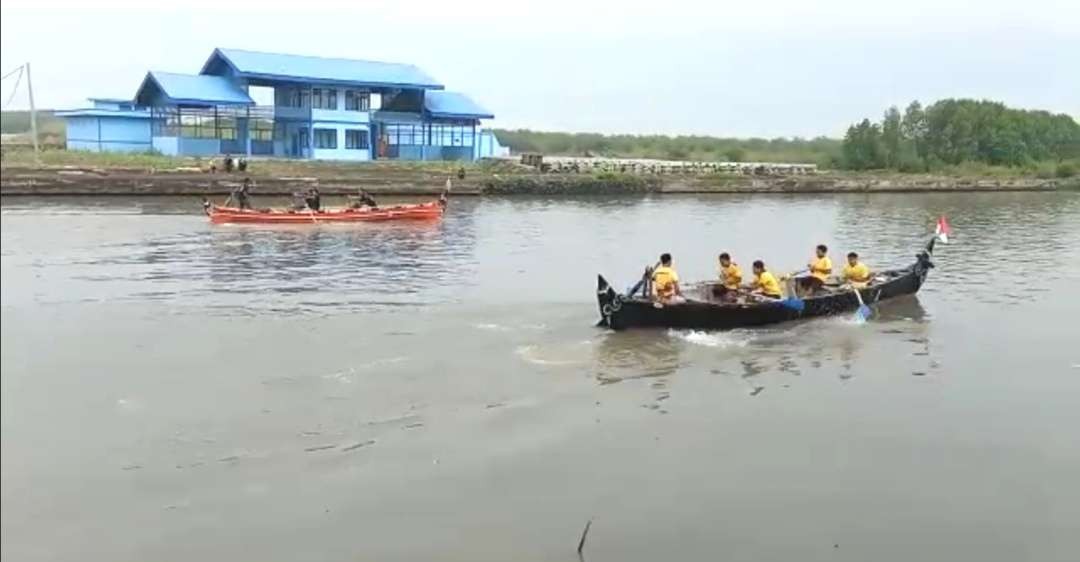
<point x="855" y="272"/>
<point x="241" y="194"/>
<point x="730" y="278"/>
<point x="665" y="282"/>
<point x="820" y="267"/>
<point x="765" y="282"/>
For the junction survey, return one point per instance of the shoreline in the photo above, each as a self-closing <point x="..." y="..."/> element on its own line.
<point x="481" y="180"/>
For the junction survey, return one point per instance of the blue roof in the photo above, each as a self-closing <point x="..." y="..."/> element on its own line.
<point x="271" y="66"/>
<point x="195" y="89"/>
<point x="98" y="112"/>
<point x="454" y="104"/>
<point x="112" y="100"/>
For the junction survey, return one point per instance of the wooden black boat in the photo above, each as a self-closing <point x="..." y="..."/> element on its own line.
<point x="702" y="312"/>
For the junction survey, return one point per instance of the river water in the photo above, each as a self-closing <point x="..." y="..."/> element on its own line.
<point x="174" y="390"/>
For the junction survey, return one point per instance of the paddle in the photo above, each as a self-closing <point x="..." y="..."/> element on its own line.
<point x="863" y="312"/>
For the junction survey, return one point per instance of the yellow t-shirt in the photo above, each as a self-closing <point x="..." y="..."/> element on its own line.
<point x="821" y="268"/>
<point x="664" y="279"/>
<point x="857" y="273"/>
<point x="768" y="284"/>
<point x="731" y="276"/>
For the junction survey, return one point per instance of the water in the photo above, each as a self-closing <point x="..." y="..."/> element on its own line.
<point x="174" y="390"/>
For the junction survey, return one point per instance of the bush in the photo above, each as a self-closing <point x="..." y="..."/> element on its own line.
<point x="1066" y="170"/>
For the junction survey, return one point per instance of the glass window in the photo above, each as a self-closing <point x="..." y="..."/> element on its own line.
<point x="325" y="138"/>
<point x="356" y="139"/>
<point x="357" y="101"/>
<point x="324" y="98"/>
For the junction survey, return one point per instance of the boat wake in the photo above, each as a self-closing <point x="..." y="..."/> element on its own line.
<point x="711" y="339"/>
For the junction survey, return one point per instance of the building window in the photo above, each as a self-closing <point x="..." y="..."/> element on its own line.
<point x="325" y="138"/>
<point x="261" y="130"/>
<point x="324" y="98"/>
<point x="357" y="101"/>
<point x="356" y="139"/>
<point x="293" y="97"/>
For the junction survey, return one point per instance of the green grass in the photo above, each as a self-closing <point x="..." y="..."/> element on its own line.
<point x="55" y="157"/>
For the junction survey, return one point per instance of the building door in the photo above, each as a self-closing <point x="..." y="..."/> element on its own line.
<point x="300" y="142"/>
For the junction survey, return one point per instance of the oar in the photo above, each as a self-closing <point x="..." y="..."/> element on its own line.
<point x="863" y="312"/>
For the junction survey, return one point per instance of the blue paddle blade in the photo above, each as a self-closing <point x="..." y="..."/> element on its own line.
<point x="863" y="312"/>
<point x="793" y="303"/>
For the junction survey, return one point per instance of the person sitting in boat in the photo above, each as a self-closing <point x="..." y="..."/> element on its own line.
<point x="665" y="282"/>
<point x="819" y="268"/>
<point x="855" y="272"/>
<point x="312" y="199"/>
<point x="765" y="282"/>
<point x="730" y="278"/>
<point x="364" y="199"/>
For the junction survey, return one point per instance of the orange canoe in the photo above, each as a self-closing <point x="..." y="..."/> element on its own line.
<point x="423" y="211"/>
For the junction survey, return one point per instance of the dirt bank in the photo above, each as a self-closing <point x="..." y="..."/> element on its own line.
<point x="479" y="179"/>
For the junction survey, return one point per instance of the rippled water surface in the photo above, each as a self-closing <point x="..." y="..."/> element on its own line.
<point x="174" y="390"/>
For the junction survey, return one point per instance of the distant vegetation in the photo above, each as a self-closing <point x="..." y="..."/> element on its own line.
<point x="964" y="133"/>
<point x="823" y="151"/>
<point x="51" y="129"/>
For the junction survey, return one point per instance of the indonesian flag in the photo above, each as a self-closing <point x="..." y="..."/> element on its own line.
<point x="943" y="230"/>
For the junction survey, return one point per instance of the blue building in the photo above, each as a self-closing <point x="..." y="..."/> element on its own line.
<point x="323" y="108"/>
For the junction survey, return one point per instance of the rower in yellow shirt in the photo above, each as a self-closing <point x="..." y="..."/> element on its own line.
<point x="665" y="282"/>
<point x="855" y="272"/>
<point x="765" y="283"/>
<point x="820" y="267"/>
<point x="730" y="278"/>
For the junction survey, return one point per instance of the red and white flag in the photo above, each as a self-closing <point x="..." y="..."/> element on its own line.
<point x="943" y="230"/>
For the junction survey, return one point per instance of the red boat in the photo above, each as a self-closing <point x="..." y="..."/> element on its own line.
<point x="423" y="211"/>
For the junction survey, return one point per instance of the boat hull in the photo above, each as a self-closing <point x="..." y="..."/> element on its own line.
<point x="234" y="215"/>
<point x="620" y="312"/>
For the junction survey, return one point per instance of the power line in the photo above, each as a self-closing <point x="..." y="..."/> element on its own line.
<point x="14" y="90"/>
<point x="13" y="71"/>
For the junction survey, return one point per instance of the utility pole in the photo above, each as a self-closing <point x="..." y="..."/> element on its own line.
<point x="33" y="113"/>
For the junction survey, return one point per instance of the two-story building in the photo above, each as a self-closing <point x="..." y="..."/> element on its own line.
<point x="323" y="108"/>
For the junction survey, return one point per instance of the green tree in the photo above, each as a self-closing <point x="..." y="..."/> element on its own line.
<point x="862" y="146"/>
<point x="891" y="137"/>
<point x="735" y="154"/>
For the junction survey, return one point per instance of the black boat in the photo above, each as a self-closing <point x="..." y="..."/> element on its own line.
<point x="702" y="312"/>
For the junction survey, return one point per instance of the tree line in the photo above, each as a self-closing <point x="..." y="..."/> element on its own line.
<point x="958" y="131"/>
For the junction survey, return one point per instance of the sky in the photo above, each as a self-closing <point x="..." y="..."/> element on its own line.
<point x="765" y="68"/>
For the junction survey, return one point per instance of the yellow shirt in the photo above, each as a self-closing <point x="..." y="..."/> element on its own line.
<point x="768" y="284"/>
<point x="664" y="279"/>
<point x="821" y="268"/>
<point x="857" y="273"/>
<point x="731" y="276"/>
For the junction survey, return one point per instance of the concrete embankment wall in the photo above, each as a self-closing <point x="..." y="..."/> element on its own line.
<point x="67" y="181"/>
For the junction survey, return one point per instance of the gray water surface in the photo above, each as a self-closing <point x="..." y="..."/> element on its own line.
<point x="174" y="390"/>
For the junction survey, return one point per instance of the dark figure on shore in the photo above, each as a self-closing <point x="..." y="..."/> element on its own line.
<point x="228" y="162"/>
<point x="461" y="172"/>
<point x="241" y="165"/>
<point x="364" y="199"/>
<point x="313" y="199"/>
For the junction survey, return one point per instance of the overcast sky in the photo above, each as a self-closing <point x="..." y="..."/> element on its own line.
<point x="762" y="68"/>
